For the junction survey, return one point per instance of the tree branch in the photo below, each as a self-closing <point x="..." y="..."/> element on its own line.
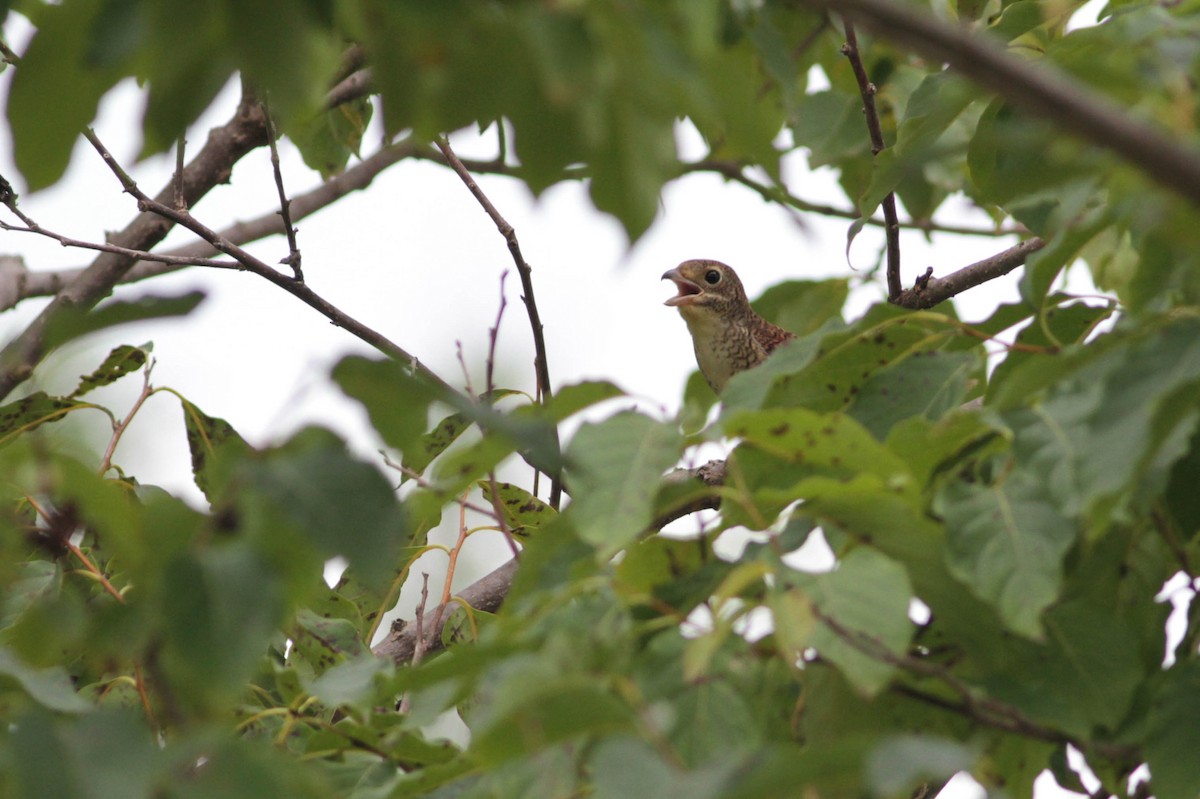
<point x="541" y="364"/>
<point x="262" y="269"/>
<point x="891" y="226"/>
<point x="21" y="284"/>
<point x="488" y="592"/>
<point x="1040" y="88"/>
<point x="225" y="146"/>
<point x="929" y="291"/>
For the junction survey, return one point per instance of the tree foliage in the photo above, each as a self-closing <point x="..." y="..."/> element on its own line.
<point x="1002" y="530"/>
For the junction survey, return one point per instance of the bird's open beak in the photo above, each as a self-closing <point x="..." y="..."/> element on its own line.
<point x="688" y="291"/>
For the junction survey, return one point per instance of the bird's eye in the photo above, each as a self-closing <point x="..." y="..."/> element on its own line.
<point x="712" y="277"/>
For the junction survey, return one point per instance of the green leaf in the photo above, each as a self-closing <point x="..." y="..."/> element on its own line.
<point x="817" y="443"/>
<point x="33" y="411"/>
<point x="443" y="434"/>
<point x="73" y="323"/>
<point x="1007" y="541"/>
<point x="343" y="505"/>
<point x="1172" y="736"/>
<point x="327" y="141"/>
<point x="220" y="609"/>
<point x="866" y="598"/>
<point x="523" y="512"/>
<point x="617" y="467"/>
<point x="56" y="65"/>
<point x="931" y="110"/>
<point x="397" y="401"/>
<point x="803" y="306"/>
<point x="926" y="385"/>
<point x="49" y="687"/>
<point x="216" y="450"/>
<point x="120" y="362"/>
<point x="324" y="642"/>
<point x="355" y="683"/>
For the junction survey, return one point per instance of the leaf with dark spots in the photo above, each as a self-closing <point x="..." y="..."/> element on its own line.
<point x="33" y="411"/>
<point x="120" y="362"/>
<point x="523" y="512"/>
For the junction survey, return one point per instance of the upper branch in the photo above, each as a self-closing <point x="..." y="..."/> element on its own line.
<point x="212" y="165"/>
<point x="1038" y="87"/>
<point x="929" y="291"/>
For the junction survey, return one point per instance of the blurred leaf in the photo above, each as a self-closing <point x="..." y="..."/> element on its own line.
<point x="50" y="687"/>
<point x="33" y="411"/>
<point x="76" y="322"/>
<point x="219" y="610"/>
<point x="443" y="434"/>
<point x="523" y="512"/>
<point x="56" y="64"/>
<point x="327" y="141"/>
<point x="353" y="682"/>
<point x="345" y="506"/>
<point x="617" y="466"/>
<point x="120" y="362"/>
<point x="1172" y="737"/>
<point x="902" y="761"/>
<point x="216" y="450"/>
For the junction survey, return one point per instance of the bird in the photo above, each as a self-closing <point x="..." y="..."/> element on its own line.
<point x="727" y="335"/>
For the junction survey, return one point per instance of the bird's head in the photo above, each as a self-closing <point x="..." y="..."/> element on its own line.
<point x="705" y="287"/>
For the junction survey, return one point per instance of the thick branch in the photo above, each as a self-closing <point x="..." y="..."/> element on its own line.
<point x="929" y="291"/>
<point x="1039" y="87"/>
<point x="212" y="165"/>
<point x="488" y="592"/>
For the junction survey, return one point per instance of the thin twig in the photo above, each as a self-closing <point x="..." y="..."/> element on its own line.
<point x="421" y="645"/>
<point x="177" y="178"/>
<point x="541" y="365"/>
<point x="41" y="283"/>
<point x="225" y="145"/>
<point x="120" y="427"/>
<point x="174" y="260"/>
<point x="891" y="226"/>
<point x="262" y="269"/>
<point x="285" y="213"/>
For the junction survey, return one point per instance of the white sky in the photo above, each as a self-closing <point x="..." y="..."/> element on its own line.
<point x="416" y="258"/>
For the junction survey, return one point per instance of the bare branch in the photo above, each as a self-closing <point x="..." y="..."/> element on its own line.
<point x="486" y="594"/>
<point x="285" y="214"/>
<point x="225" y="146"/>
<point x="929" y="291"/>
<point x="352" y="87"/>
<point x="867" y="89"/>
<point x="541" y="364"/>
<point x="1038" y="87"/>
<point x="262" y="269"/>
<point x="42" y="284"/>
